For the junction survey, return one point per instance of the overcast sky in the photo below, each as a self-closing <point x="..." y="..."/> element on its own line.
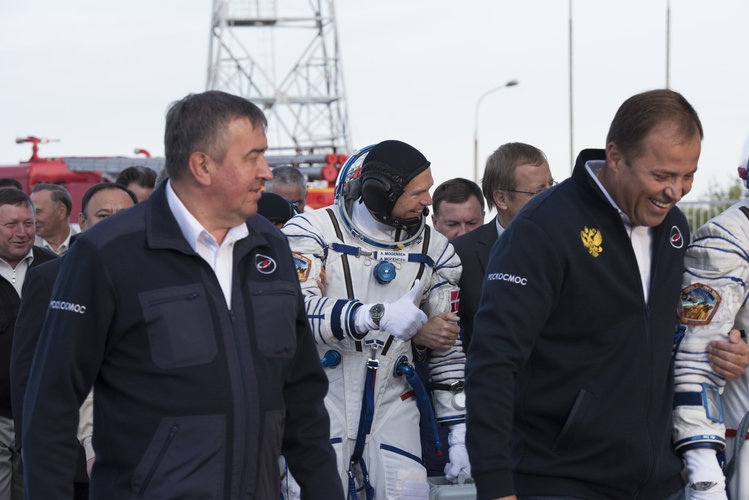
<point x="99" y="76"/>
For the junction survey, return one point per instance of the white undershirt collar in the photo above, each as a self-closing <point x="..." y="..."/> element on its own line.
<point x="641" y="237"/>
<point x="219" y="257"/>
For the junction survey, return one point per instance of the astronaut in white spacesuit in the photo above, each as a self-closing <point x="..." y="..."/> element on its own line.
<point x="387" y="274"/>
<point x="710" y="401"/>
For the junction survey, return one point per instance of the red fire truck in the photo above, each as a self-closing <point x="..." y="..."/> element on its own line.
<point x="78" y="174"/>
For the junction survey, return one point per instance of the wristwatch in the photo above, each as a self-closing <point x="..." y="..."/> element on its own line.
<point x="459" y="401"/>
<point x="376" y="312"/>
<point x="703" y="485"/>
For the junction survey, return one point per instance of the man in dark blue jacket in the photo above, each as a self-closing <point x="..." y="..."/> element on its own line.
<point x="186" y="315"/>
<point x="569" y="386"/>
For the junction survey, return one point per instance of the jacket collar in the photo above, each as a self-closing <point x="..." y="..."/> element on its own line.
<point x="163" y="232"/>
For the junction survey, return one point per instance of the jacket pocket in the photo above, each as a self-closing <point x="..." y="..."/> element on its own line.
<point x="179" y="326"/>
<point x="575" y="423"/>
<point x="274" y="310"/>
<point x="184" y="460"/>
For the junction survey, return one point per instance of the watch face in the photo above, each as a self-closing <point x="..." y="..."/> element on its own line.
<point x="376" y="312"/>
<point x="703" y="485"/>
<point x="459" y="401"/>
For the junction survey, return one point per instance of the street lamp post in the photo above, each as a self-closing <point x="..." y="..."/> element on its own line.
<point x="511" y="83"/>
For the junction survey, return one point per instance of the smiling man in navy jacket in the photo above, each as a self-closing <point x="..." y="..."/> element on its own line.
<point x="185" y="314"/>
<point x="569" y="386"/>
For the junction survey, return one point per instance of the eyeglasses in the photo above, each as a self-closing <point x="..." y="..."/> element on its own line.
<point x="532" y="193"/>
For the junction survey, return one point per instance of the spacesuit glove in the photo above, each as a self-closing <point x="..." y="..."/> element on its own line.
<point x="402" y="319"/>
<point x="363" y="321"/>
<point x="458" y="453"/>
<point x="706" y="480"/>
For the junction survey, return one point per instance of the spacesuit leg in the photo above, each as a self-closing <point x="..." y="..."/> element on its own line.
<point x="393" y="455"/>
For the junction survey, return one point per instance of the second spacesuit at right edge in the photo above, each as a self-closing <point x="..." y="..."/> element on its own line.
<point x="708" y="409"/>
<point x="386" y="274"/>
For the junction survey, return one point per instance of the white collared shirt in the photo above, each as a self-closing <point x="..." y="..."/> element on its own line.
<point x="641" y="237"/>
<point x="500" y="229"/>
<point x="64" y="246"/>
<point x="219" y="257"/>
<point x="16" y="275"/>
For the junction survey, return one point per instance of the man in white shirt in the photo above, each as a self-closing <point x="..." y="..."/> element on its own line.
<point x="185" y="313"/>
<point x="17" y="255"/>
<point x="53" y="205"/>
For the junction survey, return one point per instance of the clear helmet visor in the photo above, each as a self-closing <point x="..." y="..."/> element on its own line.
<point x="348" y="189"/>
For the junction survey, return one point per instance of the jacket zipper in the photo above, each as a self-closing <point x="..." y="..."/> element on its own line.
<point x="159" y="458"/>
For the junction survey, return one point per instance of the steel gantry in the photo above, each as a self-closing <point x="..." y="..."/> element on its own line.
<point x="283" y="56"/>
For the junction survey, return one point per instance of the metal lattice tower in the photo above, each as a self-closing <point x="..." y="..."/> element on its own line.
<point x="284" y="57"/>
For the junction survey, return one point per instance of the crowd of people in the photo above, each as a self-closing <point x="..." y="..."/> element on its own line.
<point x="581" y="344"/>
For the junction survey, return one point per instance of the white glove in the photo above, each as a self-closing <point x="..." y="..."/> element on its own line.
<point x="401" y="319"/>
<point x="704" y="468"/>
<point x="458" y="453"/>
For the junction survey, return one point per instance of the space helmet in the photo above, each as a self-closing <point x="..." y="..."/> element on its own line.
<point x="377" y="176"/>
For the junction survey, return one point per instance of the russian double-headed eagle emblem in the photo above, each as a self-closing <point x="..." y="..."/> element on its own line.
<point x="592" y="240"/>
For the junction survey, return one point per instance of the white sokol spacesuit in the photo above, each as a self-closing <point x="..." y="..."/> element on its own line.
<point x="707" y="408"/>
<point x="371" y="403"/>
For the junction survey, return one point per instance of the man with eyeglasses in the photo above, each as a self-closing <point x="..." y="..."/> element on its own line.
<point x="514" y="174"/>
<point x="569" y="374"/>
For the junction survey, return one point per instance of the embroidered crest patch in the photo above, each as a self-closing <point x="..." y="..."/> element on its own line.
<point x="592" y="240"/>
<point x="698" y="304"/>
<point x="303" y="266"/>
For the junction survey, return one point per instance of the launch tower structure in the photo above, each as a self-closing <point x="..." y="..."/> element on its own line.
<point x="284" y="56"/>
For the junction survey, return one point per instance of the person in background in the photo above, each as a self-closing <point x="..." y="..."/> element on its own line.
<point x="388" y="277"/>
<point x="10" y="182"/>
<point x="290" y="183"/>
<point x="138" y="179"/>
<point x="458" y="207"/>
<point x="53" y="205"/>
<point x="514" y="174"/>
<point x="185" y="313"/>
<point x="99" y="202"/>
<point x="711" y="382"/>
<point x="570" y="383"/>
<point x="276" y="209"/>
<point x="18" y="255"/>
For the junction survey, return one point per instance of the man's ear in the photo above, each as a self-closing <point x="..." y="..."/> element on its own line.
<point x="614" y="158"/>
<point x="201" y="167"/>
<point x="82" y="221"/>
<point x="60" y="209"/>
<point x="500" y="199"/>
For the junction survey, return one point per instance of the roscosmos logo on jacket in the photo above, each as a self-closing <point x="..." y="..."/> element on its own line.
<point x="62" y="305"/>
<point x="676" y="239"/>
<point x="265" y="264"/>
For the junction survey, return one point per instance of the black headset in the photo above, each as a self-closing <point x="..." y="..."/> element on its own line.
<point x="379" y="192"/>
